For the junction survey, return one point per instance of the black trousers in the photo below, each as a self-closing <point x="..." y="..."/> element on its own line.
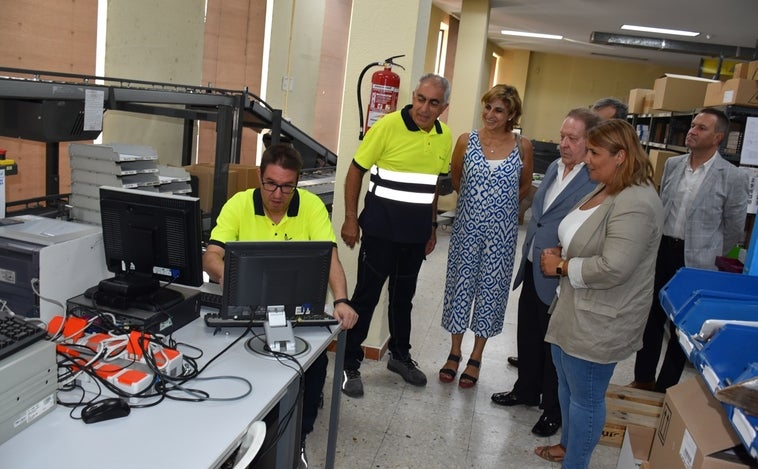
<point x="379" y="260"/>
<point x="315" y="377"/>
<point x="536" y="372"/>
<point x="670" y="259"/>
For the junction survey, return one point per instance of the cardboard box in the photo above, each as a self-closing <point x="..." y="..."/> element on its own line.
<point x="694" y="433"/>
<point x="204" y="173"/>
<point x="247" y="176"/>
<point x="734" y="91"/>
<point x="635" y="450"/>
<point x="752" y="70"/>
<point x="740" y="70"/>
<point x="637" y="98"/>
<point x="658" y="160"/>
<point x="679" y="92"/>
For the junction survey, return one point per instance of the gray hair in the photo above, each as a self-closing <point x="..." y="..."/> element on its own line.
<point x="440" y="80"/>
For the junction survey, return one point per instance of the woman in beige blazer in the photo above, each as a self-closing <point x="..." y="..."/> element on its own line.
<point x="607" y="265"/>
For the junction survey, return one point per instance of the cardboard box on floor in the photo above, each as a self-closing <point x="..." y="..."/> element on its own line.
<point x="635" y="450"/>
<point x="679" y="92"/>
<point x="694" y="433"/>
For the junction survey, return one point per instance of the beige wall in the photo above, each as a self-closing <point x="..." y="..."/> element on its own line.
<point x="406" y="35"/>
<point x="556" y="83"/>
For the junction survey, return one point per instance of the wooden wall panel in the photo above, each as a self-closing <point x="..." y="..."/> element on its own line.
<point x="233" y="57"/>
<point x="48" y="35"/>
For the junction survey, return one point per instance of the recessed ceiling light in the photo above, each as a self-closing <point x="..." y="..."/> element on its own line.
<point x="647" y="29"/>
<point x="526" y="34"/>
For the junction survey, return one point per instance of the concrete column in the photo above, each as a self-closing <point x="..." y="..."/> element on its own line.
<point x="377" y="30"/>
<point x="470" y="76"/>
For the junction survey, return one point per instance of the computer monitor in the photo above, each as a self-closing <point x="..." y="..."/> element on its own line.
<point x="260" y="275"/>
<point x="149" y="237"/>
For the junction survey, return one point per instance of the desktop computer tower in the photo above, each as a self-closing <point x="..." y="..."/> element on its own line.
<point x="65" y="258"/>
<point x="28" y="386"/>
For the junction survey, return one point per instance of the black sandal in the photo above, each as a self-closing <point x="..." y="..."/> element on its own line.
<point x="467" y="381"/>
<point x="447" y="375"/>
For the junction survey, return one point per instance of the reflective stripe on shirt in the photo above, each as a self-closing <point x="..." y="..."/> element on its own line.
<point x="415" y="188"/>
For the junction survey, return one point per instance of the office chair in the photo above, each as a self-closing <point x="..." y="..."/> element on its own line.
<point x="251" y="443"/>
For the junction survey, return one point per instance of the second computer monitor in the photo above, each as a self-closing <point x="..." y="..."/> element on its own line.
<point x="262" y="274"/>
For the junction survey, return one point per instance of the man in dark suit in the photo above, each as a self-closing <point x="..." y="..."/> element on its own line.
<point x="704" y="206"/>
<point x="566" y="181"/>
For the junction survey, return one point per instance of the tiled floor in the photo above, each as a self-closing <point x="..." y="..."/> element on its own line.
<point x="396" y="425"/>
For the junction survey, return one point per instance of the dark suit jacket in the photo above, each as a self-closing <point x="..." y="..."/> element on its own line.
<point x="543" y="227"/>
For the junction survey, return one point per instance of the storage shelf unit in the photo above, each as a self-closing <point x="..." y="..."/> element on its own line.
<point x="666" y="130"/>
<point x="49" y="107"/>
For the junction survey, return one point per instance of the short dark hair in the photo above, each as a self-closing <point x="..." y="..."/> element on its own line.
<point x="722" y="120"/>
<point x="284" y="155"/>
<point x="621" y="108"/>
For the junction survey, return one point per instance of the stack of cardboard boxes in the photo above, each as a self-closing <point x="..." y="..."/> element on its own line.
<point x="740" y="90"/>
<point x="681" y="93"/>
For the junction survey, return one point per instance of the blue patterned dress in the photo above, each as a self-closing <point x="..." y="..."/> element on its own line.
<point x="483" y="243"/>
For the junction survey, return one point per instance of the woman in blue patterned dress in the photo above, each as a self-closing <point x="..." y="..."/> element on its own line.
<point x="491" y="169"/>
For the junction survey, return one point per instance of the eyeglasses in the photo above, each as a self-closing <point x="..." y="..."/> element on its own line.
<point x="272" y="187"/>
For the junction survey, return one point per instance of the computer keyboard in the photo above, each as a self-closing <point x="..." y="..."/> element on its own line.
<point x="210" y="299"/>
<point x="215" y="320"/>
<point x="16" y="334"/>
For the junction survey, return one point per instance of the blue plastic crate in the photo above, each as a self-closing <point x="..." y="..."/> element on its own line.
<point x="703" y="314"/>
<point x="676" y="295"/>
<point x="746" y="427"/>
<point x="728" y="357"/>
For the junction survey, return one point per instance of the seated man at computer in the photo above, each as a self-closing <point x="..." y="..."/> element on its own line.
<point x="279" y="211"/>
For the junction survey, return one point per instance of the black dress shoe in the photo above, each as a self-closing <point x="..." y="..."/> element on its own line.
<point x="546" y="426"/>
<point x="513" y="361"/>
<point x="510" y="399"/>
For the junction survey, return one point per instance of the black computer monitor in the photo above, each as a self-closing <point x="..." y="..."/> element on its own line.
<point x="262" y="274"/>
<point x="149" y="237"/>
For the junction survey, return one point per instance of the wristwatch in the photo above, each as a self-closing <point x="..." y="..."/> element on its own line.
<point x="559" y="269"/>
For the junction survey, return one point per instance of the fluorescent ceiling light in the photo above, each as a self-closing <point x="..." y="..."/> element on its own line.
<point x="525" y="34"/>
<point x="648" y="29"/>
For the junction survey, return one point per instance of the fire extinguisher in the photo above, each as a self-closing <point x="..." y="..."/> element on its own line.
<point x="385" y="88"/>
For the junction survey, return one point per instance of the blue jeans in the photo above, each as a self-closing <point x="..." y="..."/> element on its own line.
<point x="581" y="391"/>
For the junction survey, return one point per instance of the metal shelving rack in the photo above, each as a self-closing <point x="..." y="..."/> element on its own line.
<point x="49" y="107"/>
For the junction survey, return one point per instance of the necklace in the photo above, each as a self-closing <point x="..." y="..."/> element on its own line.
<point x="490" y="146"/>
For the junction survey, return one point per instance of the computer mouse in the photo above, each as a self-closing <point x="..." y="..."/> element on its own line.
<point x="105" y="409"/>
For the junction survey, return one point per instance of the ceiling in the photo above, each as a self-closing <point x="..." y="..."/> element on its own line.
<point x="720" y="22"/>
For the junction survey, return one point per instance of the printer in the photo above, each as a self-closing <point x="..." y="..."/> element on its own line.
<point x="60" y="258"/>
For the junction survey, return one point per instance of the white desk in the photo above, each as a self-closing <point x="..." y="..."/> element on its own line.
<point x="174" y="433"/>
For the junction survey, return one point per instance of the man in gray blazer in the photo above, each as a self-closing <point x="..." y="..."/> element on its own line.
<point x="704" y="203"/>
<point x="566" y="182"/>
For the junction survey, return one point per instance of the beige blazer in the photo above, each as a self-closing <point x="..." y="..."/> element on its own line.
<point x="618" y="243"/>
